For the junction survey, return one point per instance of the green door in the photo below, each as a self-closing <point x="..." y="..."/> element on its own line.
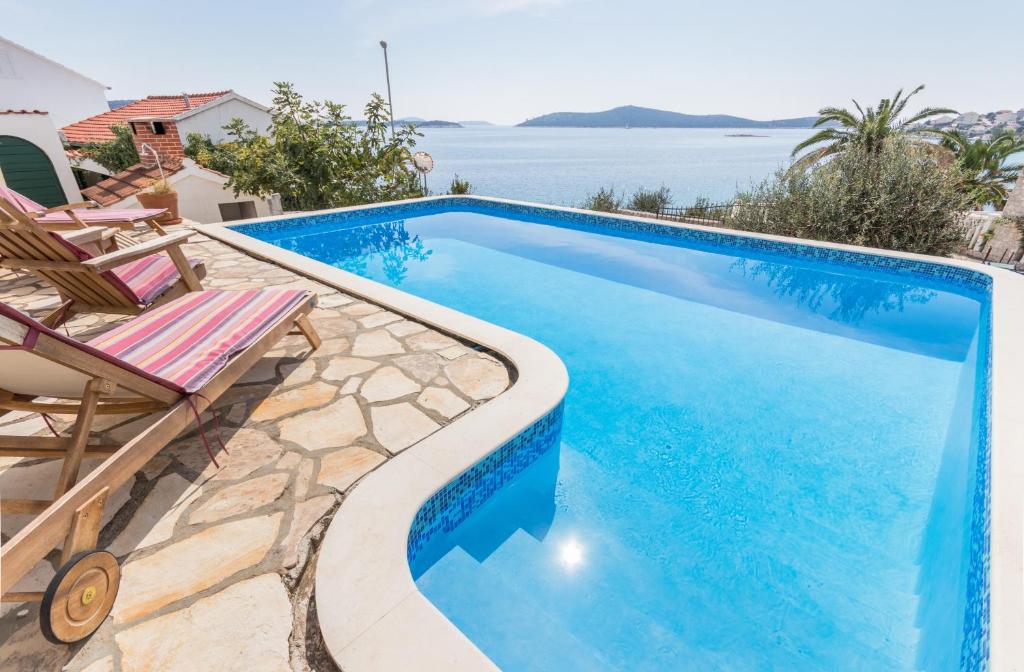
<point x="28" y="170"/>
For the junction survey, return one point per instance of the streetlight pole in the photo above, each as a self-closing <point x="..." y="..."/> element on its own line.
<point x="387" y="76"/>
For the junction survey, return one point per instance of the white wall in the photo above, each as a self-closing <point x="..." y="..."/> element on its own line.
<point x="199" y="196"/>
<point x="30" y="82"/>
<point x="40" y="131"/>
<point x="211" y="120"/>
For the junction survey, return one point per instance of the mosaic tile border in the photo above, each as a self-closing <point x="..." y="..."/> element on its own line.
<point x="968" y="280"/>
<point x="974" y="645"/>
<point x="446" y="509"/>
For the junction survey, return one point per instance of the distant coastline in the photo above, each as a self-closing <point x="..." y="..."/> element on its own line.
<point x="631" y="116"/>
<point x="418" y="123"/>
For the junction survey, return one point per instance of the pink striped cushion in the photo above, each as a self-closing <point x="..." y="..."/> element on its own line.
<point x="23" y="203"/>
<point x="150" y="276"/>
<point x="187" y="341"/>
<point x="140" y="281"/>
<point x="95" y="216"/>
<point x="88" y="215"/>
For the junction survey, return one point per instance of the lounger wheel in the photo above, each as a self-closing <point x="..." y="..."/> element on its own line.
<point x="79" y="597"/>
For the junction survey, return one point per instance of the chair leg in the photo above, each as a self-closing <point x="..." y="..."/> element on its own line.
<point x="153" y="224"/>
<point x="59" y="316"/>
<point x="85" y="527"/>
<point x="308" y="330"/>
<point x="188" y="276"/>
<point x="80" y="434"/>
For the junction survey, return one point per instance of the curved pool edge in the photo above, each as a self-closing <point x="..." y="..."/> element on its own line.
<point x="383" y="622"/>
<point x="380" y="620"/>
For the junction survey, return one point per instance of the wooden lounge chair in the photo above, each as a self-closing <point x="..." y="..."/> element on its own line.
<point x="125" y="281"/>
<point x="173" y="360"/>
<point x="79" y="215"/>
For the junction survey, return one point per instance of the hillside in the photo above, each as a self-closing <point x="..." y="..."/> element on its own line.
<point x="645" y="117"/>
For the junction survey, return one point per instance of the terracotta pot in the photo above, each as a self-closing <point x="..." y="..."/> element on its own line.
<point x="169" y="201"/>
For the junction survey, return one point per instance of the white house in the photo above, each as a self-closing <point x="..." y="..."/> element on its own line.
<point x="202" y="194"/>
<point x="169" y="119"/>
<point x="30" y="81"/>
<point x="37" y="96"/>
<point x="159" y="127"/>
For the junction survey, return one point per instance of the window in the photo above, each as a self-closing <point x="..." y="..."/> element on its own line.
<point x="229" y="212"/>
<point x="158" y="128"/>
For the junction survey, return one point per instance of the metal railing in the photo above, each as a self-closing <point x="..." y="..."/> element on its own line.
<point x="711" y="214"/>
<point x="707" y="214"/>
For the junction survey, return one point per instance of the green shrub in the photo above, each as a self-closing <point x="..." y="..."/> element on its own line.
<point x="605" y="200"/>
<point x="899" y="198"/>
<point x="701" y="204"/>
<point x="114" y="155"/>
<point x="460" y="187"/>
<point x="650" y="200"/>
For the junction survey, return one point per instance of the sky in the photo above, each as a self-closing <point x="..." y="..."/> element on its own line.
<point x="507" y="60"/>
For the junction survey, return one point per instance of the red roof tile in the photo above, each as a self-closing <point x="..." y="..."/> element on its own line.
<point x="127" y="183"/>
<point x="97" y="128"/>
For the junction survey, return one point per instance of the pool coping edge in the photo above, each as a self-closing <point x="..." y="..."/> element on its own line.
<point x="386" y="623"/>
<point x="363" y="556"/>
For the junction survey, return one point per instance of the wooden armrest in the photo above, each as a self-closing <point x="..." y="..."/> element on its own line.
<point x="135" y="252"/>
<point x="88" y="235"/>
<point x="81" y="205"/>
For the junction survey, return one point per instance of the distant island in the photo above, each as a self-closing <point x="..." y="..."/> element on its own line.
<point x="631" y="116"/>
<point x="417" y="122"/>
<point x="430" y="123"/>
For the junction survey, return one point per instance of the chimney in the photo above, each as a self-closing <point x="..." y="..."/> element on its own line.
<point x="188" y="103"/>
<point x="160" y="136"/>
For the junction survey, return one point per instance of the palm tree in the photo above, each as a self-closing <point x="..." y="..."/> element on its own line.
<point x="987" y="175"/>
<point x="870" y="128"/>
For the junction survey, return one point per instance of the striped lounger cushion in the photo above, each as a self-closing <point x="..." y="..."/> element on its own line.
<point x="97" y="216"/>
<point x="150" y="276"/>
<point x="187" y="341"/>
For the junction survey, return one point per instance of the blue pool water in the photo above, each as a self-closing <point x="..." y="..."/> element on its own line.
<point x="766" y="462"/>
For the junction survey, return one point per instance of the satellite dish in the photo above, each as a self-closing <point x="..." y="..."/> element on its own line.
<point x="423" y="162"/>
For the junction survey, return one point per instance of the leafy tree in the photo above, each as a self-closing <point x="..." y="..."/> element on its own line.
<point x="896" y="197"/>
<point x="987" y="175"/>
<point x="651" y="200"/>
<point x="605" y="200"/>
<point x="220" y="156"/>
<point x="460" y="187"/>
<point x="114" y="155"/>
<point x="868" y="128"/>
<point x="316" y="157"/>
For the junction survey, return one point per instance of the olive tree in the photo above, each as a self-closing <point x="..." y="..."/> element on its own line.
<point x="315" y="156"/>
<point x="897" y="197"/>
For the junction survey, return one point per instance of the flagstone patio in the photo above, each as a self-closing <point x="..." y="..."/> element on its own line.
<point x="217" y="560"/>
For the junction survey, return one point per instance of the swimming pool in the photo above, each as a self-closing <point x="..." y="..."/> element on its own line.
<point x="771" y="456"/>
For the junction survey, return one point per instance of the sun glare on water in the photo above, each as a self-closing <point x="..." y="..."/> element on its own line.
<point x="571" y="554"/>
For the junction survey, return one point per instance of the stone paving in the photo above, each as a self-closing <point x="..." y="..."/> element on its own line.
<point x="217" y="561"/>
